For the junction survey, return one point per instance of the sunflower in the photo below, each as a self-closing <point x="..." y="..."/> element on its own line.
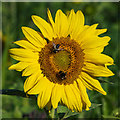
<point x="62" y="60"/>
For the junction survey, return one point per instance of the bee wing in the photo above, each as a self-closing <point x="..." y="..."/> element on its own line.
<point x="54" y="45"/>
<point x="60" y="49"/>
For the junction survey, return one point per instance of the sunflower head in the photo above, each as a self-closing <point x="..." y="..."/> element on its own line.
<point x="62" y="60"/>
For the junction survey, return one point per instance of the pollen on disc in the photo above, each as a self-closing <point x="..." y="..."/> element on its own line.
<point x="62" y="60"/>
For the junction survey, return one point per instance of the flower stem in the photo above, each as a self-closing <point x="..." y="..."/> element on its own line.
<point x="53" y="113"/>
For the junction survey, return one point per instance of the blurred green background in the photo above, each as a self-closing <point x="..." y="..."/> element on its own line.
<point x="18" y="14"/>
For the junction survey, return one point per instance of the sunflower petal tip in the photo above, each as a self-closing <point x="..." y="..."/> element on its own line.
<point x="113" y="63"/>
<point x="87" y="108"/>
<point x="48" y="9"/>
<point x="55" y="106"/>
<point x="72" y="110"/>
<point x="105" y="29"/>
<point x="59" y="10"/>
<point x="96" y="25"/>
<point x="72" y="9"/>
<point x="113" y="74"/>
<point x="33" y="17"/>
<point x="104" y="93"/>
<point x="24" y="28"/>
<point x="15" y="42"/>
<point x="9" y="68"/>
<point x="80" y="11"/>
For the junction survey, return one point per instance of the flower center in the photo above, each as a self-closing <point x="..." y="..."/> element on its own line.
<point x="61" y="60"/>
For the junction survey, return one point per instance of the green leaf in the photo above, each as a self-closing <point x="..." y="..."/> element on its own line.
<point x="110" y="117"/>
<point x="94" y="105"/>
<point x="62" y="109"/>
<point x="15" y="92"/>
<point x="116" y="112"/>
<point x="105" y="81"/>
<point x="69" y="113"/>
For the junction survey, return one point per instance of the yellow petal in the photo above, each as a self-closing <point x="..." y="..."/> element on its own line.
<point x="100" y="31"/>
<point x="90" y="34"/>
<point x="64" y="98"/>
<point x="24" y="55"/>
<point x="87" y="85"/>
<point x="78" y="96"/>
<point x="31" y="81"/>
<point x="61" y="24"/>
<point x="94" y="50"/>
<point x="50" y="18"/>
<point x="91" y="29"/>
<point x="92" y="82"/>
<point x="43" y="82"/>
<point x="24" y="59"/>
<point x="86" y="33"/>
<point x="26" y="44"/>
<point x="98" y="59"/>
<point x="45" y="95"/>
<point x="71" y="98"/>
<point x="71" y="20"/>
<point x="78" y="23"/>
<point x="83" y="93"/>
<point x="56" y="95"/>
<point x="79" y="37"/>
<point x="33" y="37"/>
<point x="97" y="70"/>
<point x="31" y="69"/>
<point x="19" y="66"/>
<point x="44" y="27"/>
<point x="21" y="52"/>
<point x="95" y="42"/>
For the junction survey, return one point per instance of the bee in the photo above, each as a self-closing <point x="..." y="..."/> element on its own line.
<point x="56" y="48"/>
<point x="61" y="75"/>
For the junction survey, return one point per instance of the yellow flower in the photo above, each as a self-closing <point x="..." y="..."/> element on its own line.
<point x="63" y="60"/>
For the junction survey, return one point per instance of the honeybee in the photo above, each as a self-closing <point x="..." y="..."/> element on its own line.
<point x="56" y="48"/>
<point x="61" y="75"/>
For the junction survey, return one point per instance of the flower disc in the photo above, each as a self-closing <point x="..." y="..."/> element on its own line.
<point x="62" y="60"/>
<point x="61" y="65"/>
